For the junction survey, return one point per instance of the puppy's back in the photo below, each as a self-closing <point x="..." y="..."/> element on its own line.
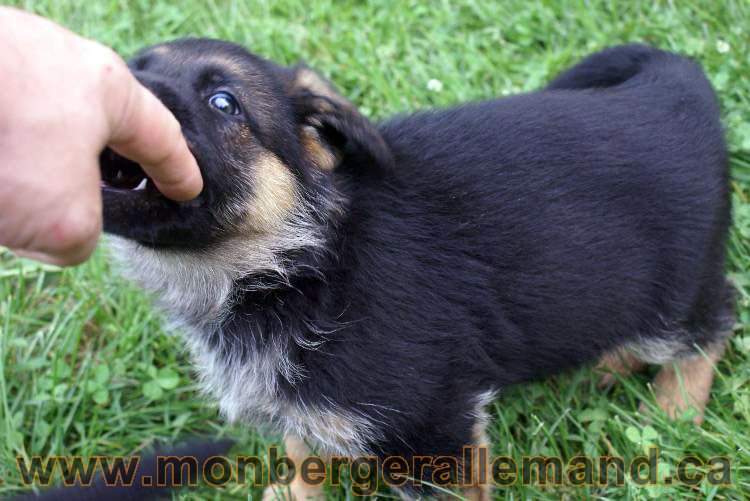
<point x="601" y="203"/>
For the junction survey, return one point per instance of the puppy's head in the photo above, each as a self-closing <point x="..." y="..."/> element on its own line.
<point x="268" y="140"/>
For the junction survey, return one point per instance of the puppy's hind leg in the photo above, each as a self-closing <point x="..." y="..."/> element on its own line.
<point x="686" y="375"/>
<point x="685" y="378"/>
<point x="687" y="382"/>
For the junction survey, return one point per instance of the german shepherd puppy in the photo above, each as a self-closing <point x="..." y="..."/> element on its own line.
<point x="368" y="288"/>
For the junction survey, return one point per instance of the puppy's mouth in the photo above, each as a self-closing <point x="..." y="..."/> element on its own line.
<point x="122" y="175"/>
<point x="134" y="209"/>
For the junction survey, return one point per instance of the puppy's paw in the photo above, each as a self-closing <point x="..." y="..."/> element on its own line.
<point x="686" y="383"/>
<point x="676" y="401"/>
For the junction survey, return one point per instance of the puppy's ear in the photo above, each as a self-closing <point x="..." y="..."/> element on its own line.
<point x="331" y="126"/>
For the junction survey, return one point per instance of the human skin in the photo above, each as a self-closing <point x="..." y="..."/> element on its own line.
<point x="63" y="99"/>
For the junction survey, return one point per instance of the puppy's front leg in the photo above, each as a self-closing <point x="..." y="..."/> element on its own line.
<point x="297" y="450"/>
<point x="479" y="491"/>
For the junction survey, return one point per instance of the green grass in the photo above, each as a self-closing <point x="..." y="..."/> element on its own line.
<point x="87" y="368"/>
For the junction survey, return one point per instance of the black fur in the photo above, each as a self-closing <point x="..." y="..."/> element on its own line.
<point x="504" y="241"/>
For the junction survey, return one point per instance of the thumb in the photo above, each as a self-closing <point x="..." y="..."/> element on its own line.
<point x="145" y="131"/>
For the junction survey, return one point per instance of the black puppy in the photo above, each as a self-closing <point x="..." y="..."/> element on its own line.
<point x="368" y="289"/>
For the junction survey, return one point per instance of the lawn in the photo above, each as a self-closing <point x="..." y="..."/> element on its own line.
<point x="86" y="366"/>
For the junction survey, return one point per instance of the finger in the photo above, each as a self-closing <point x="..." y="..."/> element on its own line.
<point x="150" y="135"/>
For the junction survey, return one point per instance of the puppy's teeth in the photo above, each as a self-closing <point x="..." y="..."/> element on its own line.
<point x="142" y="185"/>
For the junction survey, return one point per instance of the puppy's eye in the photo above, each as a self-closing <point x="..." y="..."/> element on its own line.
<point x="225" y="103"/>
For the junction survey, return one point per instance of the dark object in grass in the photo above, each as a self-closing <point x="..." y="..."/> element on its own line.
<point x="144" y="484"/>
<point x="367" y="288"/>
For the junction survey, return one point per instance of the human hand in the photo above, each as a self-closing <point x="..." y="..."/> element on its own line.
<point x="63" y="99"/>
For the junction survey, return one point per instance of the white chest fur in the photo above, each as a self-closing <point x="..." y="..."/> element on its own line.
<point x="195" y="292"/>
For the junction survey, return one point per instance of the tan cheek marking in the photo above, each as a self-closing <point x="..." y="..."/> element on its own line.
<point x="687" y="383"/>
<point x="321" y="156"/>
<point x="275" y="194"/>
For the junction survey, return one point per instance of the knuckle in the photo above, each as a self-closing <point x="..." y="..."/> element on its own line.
<point x="111" y="68"/>
<point x="110" y="60"/>
<point x="76" y="229"/>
